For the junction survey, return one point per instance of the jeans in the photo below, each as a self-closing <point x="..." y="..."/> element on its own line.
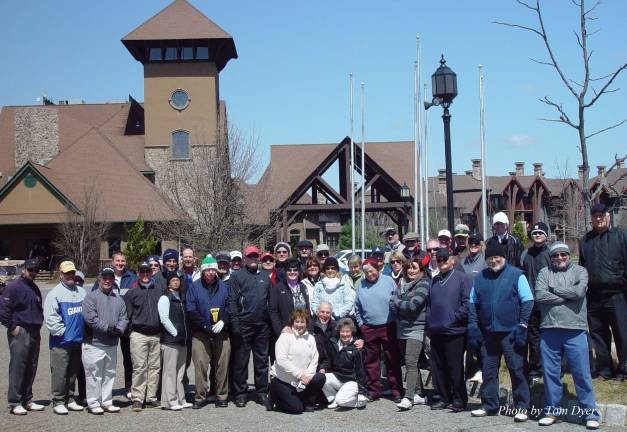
<point x="411" y="351"/>
<point x="574" y="345"/>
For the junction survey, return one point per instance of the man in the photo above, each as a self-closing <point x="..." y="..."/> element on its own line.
<point x="447" y="315"/>
<point x="474" y="262"/>
<point x="143" y="315"/>
<point x="412" y="246"/>
<point x="445" y="238"/>
<point x="170" y="259"/>
<point x="393" y="242"/>
<point x="513" y="248"/>
<point x="189" y="269"/>
<point x="155" y="265"/>
<point x="460" y="246"/>
<point x="304" y="248"/>
<point x="378" y="254"/>
<point x="224" y="267"/>
<point x="534" y="259"/>
<point x="500" y="304"/>
<point x="207" y="311"/>
<point x="433" y="246"/>
<point x="21" y="312"/>
<point x="603" y="252"/>
<point x="322" y="252"/>
<point x="250" y="327"/>
<point x="104" y="313"/>
<point x="124" y="279"/>
<point x="236" y="260"/>
<point x="561" y="296"/>
<point x="64" y="320"/>
<point x="377" y="324"/>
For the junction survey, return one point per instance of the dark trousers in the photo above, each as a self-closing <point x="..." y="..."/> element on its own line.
<point x="24" y="349"/>
<point x="287" y="399"/>
<point x="256" y="338"/>
<point x="376" y="339"/>
<point x="605" y="313"/>
<point x="125" y="346"/>
<point x="65" y="363"/>
<point x="498" y="344"/>
<point x="447" y="368"/>
<point x="474" y="361"/>
<point x="534" y="367"/>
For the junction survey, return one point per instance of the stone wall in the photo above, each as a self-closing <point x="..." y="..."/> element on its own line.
<point x="36" y="134"/>
<point x="159" y="159"/>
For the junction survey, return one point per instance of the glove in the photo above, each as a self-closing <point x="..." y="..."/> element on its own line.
<point x="113" y="331"/>
<point x="519" y="336"/>
<point x="475" y="338"/>
<point x="217" y="327"/>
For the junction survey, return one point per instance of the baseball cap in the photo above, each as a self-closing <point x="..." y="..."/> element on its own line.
<point x="223" y="256"/>
<point x="32" y="263"/>
<point x="444" y="233"/>
<point x="377" y="251"/>
<point x="461" y="230"/>
<point x="67" y="267"/>
<point x="266" y="255"/>
<point x="322" y="248"/>
<point x="598" y="208"/>
<point x="236" y="254"/>
<point x="107" y="271"/>
<point x="500" y="217"/>
<point x="252" y="249"/>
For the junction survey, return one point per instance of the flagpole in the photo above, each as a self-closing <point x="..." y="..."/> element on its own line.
<point x="363" y="176"/>
<point x="425" y="158"/>
<point x="352" y="166"/>
<point x="418" y="186"/>
<point x="484" y="205"/>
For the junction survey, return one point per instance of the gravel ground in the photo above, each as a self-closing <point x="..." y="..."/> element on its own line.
<point x="378" y="416"/>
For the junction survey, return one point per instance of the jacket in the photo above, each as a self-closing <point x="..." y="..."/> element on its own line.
<point x="248" y="298"/>
<point x="101" y="311"/>
<point x="142" y="309"/>
<point x="126" y="282"/>
<point x="341" y="296"/>
<point x="500" y="301"/>
<point x="447" y="304"/>
<point x="201" y="299"/>
<point x="161" y="281"/>
<point x="474" y="265"/>
<point x="513" y="249"/>
<point x="175" y="327"/>
<point x="533" y="260"/>
<point x="346" y="364"/>
<point x="408" y="303"/>
<point x="281" y="305"/>
<point x="561" y="297"/>
<point x="605" y="257"/>
<point x="296" y="356"/>
<point x="21" y="304"/>
<point x="63" y="317"/>
<point x="322" y="336"/>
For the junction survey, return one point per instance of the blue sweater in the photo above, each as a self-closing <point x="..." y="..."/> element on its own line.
<point x="447" y="305"/>
<point x="200" y="300"/>
<point x="63" y="317"/>
<point x="373" y="301"/>
<point x="21" y="305"/>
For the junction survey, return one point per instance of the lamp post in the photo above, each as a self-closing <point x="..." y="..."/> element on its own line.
<point x="405" y="198"/>
<point x="444" y="88"/>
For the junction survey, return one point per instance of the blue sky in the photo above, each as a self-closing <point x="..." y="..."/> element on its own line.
<point x="290" y="82"/>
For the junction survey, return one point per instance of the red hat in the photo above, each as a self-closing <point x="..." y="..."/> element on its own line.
<point x="266" y="255"/>
<point x="371" y="262"/>
<point x="252" y="249"/>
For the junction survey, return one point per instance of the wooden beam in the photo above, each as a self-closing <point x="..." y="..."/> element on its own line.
<point x="325" y="186"/>
<point x="344" y="206"/>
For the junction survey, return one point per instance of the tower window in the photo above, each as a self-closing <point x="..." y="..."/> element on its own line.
<point x="180" y="144"/>
<point x="155" y="54"/>
<point x="187" y="53"/>
<point x="170" y="53"/>
<point x="179" y="99"/>
<point x="202" y="53"/>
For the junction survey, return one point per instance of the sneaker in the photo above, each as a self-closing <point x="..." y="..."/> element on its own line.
<point x="73" y="406"/>
<point x="362" y="401"/>
<point x="439" y="405"/>
<point x="419" y="400"/>
<point x="173" y="408"/>
<point x="592" y="424"/>
<point x="97" y="410"/>
<point x="137" y="406"/>
<point x="34" y="407"/>
<point x="153" y="404"/>
<point x="520" y="417"/>
<point x="332" y="405"/>
<point x="129" y="394"/>
<point x="405" y="404"/>
<point x="60" y="409"/>
<point x="477" y="377"/>
<point x="19" y="410"/>
<point x="479" y="413"/>
<point x="547" y="421"/>
<point x="187" y="405"/>
<point x="111" y="408"/>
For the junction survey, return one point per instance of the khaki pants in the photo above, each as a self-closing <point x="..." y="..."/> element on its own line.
<point x="100" y="364"/>
<point x="204" y="349"/>
<point x="146" y="357"/>
<point x="172" y="370"/>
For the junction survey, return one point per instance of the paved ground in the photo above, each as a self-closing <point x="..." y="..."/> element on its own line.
<point x="378" y="416"/>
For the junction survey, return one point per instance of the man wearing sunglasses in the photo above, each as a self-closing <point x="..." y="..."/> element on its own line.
<point x="21" y="312"/>
<point x="393" y="242"/>
<point x="433" y="246"/>
<point x="534" y="259"/>
<point x="322" y="252"/>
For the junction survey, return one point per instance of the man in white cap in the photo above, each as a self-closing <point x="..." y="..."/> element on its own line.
<point x="444" y="237"/>
<point x="322" y="252"/>
<point x="513" y="248"/>
<point x="236" y="260"/>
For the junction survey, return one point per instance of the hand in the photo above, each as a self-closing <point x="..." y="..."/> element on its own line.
<point x="288" y="330"/>
<point x="475" y="338"/>
<point x="359" y="344"/>
<point x="15" y="331"/>
<point x="519" y="336"/>
<point x="217" y="327"/>
<point x="322" y="371"/>
<point x="305" y="379"/>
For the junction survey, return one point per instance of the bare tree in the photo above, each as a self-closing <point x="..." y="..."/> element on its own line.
<point x="579" y="89"/>
<point x="79" y="237"/>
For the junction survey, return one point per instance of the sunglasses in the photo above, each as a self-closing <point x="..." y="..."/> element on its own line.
<point x="292" y="270"/>
<point x="323" y="254"/>
<point x="440" y="260"/>
<point x="391" y="234"/>
<point x="155" y="265"/>
<point x="144" y="271"/>
<point x="560" y="254"/>
<point x="281" y="252"/>
<point x="395" y="261"/>
<point x="330" y="268"/>
<point x="33" y="270"/>
<point x="268" y="260"/>
<point x="433" y="249"/>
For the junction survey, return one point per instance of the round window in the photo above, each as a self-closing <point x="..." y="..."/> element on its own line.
<point x="179" y="99"/>
<point x="30" y="181"/>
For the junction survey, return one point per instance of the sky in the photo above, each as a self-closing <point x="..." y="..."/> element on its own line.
<point x="290" y="82"/>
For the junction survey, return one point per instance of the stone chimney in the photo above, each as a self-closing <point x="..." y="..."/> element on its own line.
<point x="580" y="172"/>
<point x="442" y="181"/>
<point x="520" y="168"/>
<point x="512" y="173"/>
<point x="468" y="173"/>
<point x="601" y="171"/>
<point x="537" y="169"/>
<point x="476" y="169"/>
<point x="620" y="162"/>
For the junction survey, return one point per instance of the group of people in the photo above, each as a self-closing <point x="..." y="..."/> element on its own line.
<point x="455" y="307"/>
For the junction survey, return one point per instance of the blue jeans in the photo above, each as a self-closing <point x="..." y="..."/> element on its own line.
<point x="498" y="344"/>
<point x="573" y="344"/>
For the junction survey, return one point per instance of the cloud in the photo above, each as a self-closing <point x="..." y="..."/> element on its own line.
<point x="520" y="140"/>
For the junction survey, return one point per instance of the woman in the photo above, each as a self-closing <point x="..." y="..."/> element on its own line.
<point x="397" y="265"/>
<point x="334" y="288"/>
<point x="408" y="303"/>
<point x="287" y="296"/>
<point x="354" y="271"/>
<point x="345" y="384"/>
<point x="282" y="252"/>
<point x="175" y="335"/>
<point x="267" y="264"/>
<point x="295" y="385"/>
<point x="312" y="276"/>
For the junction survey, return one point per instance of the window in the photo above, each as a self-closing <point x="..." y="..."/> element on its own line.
<point x="180" y="145"/>
<point x="333" y="240"/>
<point x="155" y="54"/>
<point x="202" y="53"/>
<point x="294" y="236"/>
<point x="179" y="99"/>
<point x="170" y="53"/>
<point x="114" y="244"/>
<point x="187" y="53"/>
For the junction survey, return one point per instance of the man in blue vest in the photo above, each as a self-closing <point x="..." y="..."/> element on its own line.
<point x="500" y="305"/>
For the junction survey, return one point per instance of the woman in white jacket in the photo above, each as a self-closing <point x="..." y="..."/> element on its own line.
<point x="336" y="289"/>
<point x="295" y="385"/>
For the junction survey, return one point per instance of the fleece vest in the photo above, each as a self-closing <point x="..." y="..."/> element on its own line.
<point x="498" y="304"/>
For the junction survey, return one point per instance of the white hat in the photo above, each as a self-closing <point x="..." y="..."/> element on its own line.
<point x="444" y="233"/>
<point x="500" y="217"/>
<point x="236" y="254"/>
<point x="322" y="248"/>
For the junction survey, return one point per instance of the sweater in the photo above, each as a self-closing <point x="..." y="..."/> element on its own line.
<point x="408" y="303"/>
<point x="372" y="307"/>
<point x="21" y="304"/>
<point x="142" y="309"/>
<point x="561" y="296"/>
<point x="533" y="260"/>
<point x="296" y="356"/>
<point x="101" y="311"/>
<point x="127" y="280"/>
<point x="341" y="296"/>
<point x="474" y="265"/>
<point x="62" y="314"/>
<point x="447" y="304"/>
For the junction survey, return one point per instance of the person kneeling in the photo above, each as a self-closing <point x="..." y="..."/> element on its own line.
<point x="295" y="384"/>
<point x="343" y="369"/>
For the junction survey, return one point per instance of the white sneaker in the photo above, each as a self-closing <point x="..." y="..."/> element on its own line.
<point x="187" y="405"/>
<point x="97" y="410"/>
<point x="59" y="409"/>
<point x="129" y="395"/>
<point x="592" y="424"/>
<point x="34" y="407"/>
<point x="361" y="401"/>
<point x="419" y="400"/>
<point x="173" y="408"/>
<point x="405" y="404"/>
<point x="547" y="421"/>
<point x="73" y="406"/>
<point x="479" y="413"/>
<point x="111" y="408"/>
<point x="332" y="405"/>
<point x="19" y="410"/>
<point x="520" y="417"/>
<point x="477" y="377"/>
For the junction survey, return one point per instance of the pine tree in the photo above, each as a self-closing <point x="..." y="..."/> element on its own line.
<point x="141" y="243"/>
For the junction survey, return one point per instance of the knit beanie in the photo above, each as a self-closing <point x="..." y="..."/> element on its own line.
<point x="494" y="248"/>
<point x="170" y="254"/>
<point x="558" y="247"/>
<point x="207" y="263"/>
<point x="283" y="245"/>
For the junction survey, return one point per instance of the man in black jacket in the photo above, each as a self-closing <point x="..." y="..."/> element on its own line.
<point x="603" y="252"/>
<point x="533" y="260"/>
<point x="250" y="326"/>
<point x="513" y="247"/>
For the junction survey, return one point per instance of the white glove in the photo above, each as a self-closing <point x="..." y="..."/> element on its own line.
<point x="217" y="327"/>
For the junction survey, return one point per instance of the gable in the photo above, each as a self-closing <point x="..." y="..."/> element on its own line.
<point x="29" y="195"/>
